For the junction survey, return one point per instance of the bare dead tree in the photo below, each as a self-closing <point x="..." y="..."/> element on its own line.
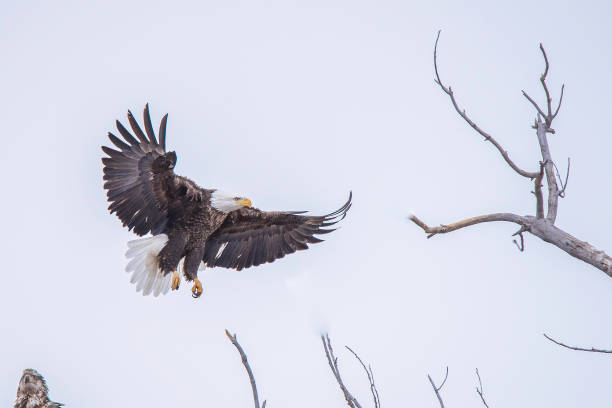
<point x="541" y="225"/>
<point x="332" y="360"/>
<point x="592" y="349"/>
<point x="245" y="362"/>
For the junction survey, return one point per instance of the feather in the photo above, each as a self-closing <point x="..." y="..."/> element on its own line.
<point x="162" y="132"/>
<point x="144" y="266"/>
<point x="148" y="125"/>
<point x="137" y="131"/>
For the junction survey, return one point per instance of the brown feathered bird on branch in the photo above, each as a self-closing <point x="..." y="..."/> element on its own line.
<point x="33" y="392"/>
<point x="191" y="227"/>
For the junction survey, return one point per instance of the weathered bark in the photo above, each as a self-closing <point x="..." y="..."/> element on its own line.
<point x="547" y="231"/>
<point x="543" y="228"/>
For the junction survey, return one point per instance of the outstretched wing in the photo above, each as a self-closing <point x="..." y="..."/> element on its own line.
<point x="249" y="237"/>
<point x="139" y="177"/>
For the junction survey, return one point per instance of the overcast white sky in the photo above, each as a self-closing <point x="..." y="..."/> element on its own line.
<point x="293" y="104"/>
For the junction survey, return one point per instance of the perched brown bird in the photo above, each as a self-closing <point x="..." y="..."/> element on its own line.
<point x="33" y="392"/>
<point x="191" y="227"/>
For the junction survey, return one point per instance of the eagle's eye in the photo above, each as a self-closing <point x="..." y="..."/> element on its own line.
<point x="237" y="198"/>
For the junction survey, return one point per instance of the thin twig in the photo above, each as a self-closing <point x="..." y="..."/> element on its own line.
<point x="560" y="101"/>
<point x="370" y="378"/>
<point x="521" y="247"/>
<point x="548" y="117"/>
<point x="332" y="360"/>
<point x="534" y="103"/>
<point x="563" y="184"/>
<point x="437" y="389"/>
<point x="245" y="362"/>
<point x="480" y="391"/>
<point x="448" y="90"/>
<point x="591" y="350"/>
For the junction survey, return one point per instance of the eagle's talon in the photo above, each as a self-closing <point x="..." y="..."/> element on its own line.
<point x="196" y="290"/>
<point x="176" y="280"/>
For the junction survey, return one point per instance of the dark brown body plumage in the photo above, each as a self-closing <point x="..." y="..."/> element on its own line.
<point x="148" y="197"/>
<point x="33" y="392"/>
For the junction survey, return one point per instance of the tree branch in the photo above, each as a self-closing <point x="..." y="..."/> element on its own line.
<point x="592" y="350"/>
<point x="538" y="193"/>
<point x="582" y="250"/>
<point x="370" y="375"/>
<point x="234" y="341"/>
<point x="448" y="90"/>
<point x="553" y="190"/>
<point x="479" y="391"/>
<point x="332" y="360"/>
<point x="560" y="101"/>
<point x="563" y="184"/>
<point x="443" y="228"/>
<point x="521" y="247"/>
<point x="548" y="117"/>
<point x="437" y="389"/>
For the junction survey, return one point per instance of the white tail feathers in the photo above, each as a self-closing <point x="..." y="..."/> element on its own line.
<point x="143" y="264"/>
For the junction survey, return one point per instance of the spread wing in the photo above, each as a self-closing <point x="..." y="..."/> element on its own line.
<point x="249" y="237"/>
<point x="140" y="182"/>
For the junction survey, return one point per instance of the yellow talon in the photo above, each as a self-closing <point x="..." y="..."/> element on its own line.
<point x="196" y="290"/>
<point x="176" y="280"/>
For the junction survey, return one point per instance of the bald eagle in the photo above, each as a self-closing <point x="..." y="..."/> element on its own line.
<point x="191" y="227"/>
<point x="33" y="392"/>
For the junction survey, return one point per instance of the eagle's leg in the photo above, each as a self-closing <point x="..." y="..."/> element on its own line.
<point x="176" y="280"/>
<point x="192" y="263"/>
<point x="171" y="254"/>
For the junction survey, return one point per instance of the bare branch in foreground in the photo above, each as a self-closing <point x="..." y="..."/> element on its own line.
<point x="541" y="226"/>
<point x="480" y="391"/>
<point x="592" y="350"/>
<point x="234" y="341"/>
<point x="448" y="90"/>
<point x="370" y="375"/>
<point x="333" y="364"/>
<point x="437" y="389"/>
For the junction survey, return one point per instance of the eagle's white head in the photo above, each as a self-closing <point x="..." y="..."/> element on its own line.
<point x="226" y="203"/>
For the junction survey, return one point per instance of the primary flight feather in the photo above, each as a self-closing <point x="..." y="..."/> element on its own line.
<point x="191" y="227"/>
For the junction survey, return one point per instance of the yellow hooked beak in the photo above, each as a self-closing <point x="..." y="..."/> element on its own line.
<point x="244" y="202"/>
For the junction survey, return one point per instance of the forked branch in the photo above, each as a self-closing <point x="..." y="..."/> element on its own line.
<point x="437" y="389"/>
<point x="332" y="360"/>
<point x="370" y="375"/>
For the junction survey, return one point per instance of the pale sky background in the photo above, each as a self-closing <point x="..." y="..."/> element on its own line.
<point x="293" y="104"/>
